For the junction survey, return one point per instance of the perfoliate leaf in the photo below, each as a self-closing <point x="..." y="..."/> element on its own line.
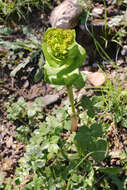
<point x="63" y="57"/>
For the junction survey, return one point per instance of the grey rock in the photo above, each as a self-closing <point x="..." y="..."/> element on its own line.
<point x="45" y="100"/>
<point x="66" y="15"/>
<point x="49" y="99"/>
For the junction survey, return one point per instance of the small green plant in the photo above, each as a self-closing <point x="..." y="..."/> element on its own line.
<point x="27" y="116"/>
<point x="11" y="11"/>
<point x="63" y="57"/>
<point x="20" y="110"/>
<point x="17" y="55"/>
<point x="115" y="101"/>
<point x="119" y="24"/>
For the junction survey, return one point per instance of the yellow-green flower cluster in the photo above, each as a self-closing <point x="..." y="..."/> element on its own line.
<point x="59" y="41"/>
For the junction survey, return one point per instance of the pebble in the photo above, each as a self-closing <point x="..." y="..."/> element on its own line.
<point x="120" y="62"/>
<point x="49" y="99"/>
<point x="26" y="84"/>
<point x="96" y="12"/>
<point x="124" y="50"/>
<point x="96" y="78"/>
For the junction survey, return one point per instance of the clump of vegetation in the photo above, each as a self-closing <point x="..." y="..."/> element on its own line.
<point x="64" y="161"/>
<point x="28" y="117"/>
<point x="20" y="10"/>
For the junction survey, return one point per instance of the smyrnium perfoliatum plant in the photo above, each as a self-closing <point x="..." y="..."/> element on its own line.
<point x="63" y="57"/>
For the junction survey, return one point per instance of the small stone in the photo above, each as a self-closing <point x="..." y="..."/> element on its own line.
<point x="109" y="2"/>
<point x="49" y="99"/>
<point x="125" y="85"/>
<point x="96" y="12"/>
<point x="9" y="142"/>
<point x="124" y="50"/>
<point x="26" y="84"/>
<point x="120" y="62"/>
<point x="96" y="79"/>
<point x="46" y="100"/>
<point x="52" y="86"/>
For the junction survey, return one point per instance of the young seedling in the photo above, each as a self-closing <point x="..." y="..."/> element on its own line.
<point x="63" y="57"/>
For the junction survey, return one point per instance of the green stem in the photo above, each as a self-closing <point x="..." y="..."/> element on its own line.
<point x="74" y="115"/>
<point x="71" y="98"/>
